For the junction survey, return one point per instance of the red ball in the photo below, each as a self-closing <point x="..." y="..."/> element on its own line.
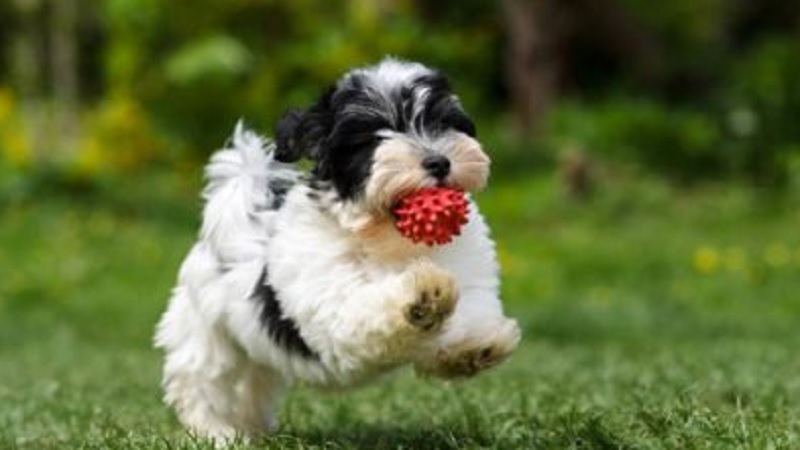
<point x="431" y="215"/>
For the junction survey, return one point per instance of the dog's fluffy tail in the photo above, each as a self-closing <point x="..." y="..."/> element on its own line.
<point x="240" y="194"/>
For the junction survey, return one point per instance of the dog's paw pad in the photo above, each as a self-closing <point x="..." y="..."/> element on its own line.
<point x="471" y="357"/>
<point x="473" y="361"/>
<point x="429" y="311"/>
<point x="434" y="301"/>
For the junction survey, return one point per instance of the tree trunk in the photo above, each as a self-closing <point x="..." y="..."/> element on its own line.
<point x="540" y="33"/>
<point x="533" y="59"/>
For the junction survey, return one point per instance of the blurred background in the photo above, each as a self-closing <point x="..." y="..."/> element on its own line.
<point x="687" y="89"/>
<point x="645" y="192"/>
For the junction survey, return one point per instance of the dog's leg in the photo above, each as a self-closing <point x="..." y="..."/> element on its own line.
<point x="259" y="391"/>
<point x="478" y="335"/>
<point x="428" y="296"/>
<point x="214" y="391"/>
<point x="384" y="320"/>
<point x="476" y="338"/>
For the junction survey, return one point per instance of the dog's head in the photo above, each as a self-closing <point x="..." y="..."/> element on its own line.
<point x="384" y="131"/>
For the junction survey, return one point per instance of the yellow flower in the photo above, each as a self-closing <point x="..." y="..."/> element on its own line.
<point x="706" y="260"/>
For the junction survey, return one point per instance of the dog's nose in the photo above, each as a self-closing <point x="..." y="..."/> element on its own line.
<point x="436" y="165"/>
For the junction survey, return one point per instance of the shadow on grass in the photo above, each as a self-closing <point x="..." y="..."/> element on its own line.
<point x="585" y="432"/>
<point x="382" y="437"/>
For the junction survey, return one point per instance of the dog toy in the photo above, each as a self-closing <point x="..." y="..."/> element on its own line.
<point x="431" y="215"/>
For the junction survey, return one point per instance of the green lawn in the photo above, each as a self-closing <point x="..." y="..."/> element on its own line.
<point x="654" y="318"/>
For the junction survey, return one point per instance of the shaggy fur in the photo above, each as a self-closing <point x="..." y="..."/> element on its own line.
<point x="303" y="277"/>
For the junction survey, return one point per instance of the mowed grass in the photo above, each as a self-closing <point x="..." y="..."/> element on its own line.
<point x="654" y="318"/>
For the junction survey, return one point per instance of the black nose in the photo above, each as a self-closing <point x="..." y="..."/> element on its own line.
<point x="436" y="165"/>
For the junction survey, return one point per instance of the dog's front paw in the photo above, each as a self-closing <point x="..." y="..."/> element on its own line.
<point x="434" y="296"/>
<point x="473" y="355"/>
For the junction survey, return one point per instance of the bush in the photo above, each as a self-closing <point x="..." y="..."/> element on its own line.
<point x="678" y="142"/>
<point x="748" y="127"/>
<point x="763" y="109"/>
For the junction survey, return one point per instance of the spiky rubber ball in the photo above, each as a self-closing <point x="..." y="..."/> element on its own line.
<point x="431" y="215"/>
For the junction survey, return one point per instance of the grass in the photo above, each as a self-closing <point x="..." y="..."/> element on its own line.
<point x="654" y="317"/>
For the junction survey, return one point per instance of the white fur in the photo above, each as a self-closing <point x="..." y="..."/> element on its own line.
<point x="349" y="291"/>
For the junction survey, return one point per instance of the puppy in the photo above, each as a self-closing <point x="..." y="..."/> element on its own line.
<point x="303" y="276"/>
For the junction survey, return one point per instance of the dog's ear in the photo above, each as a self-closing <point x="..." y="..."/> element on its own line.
<point x="301" y="134"/>
<point x="287" y="148"/>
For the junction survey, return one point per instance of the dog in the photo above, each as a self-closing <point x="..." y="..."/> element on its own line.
<point x="301" y="275"/>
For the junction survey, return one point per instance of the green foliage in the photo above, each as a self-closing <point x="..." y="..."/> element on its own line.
<point x="213" y="58"/>
<point x="676" y="142"/>
<point x="764" y="98"/>
<point x="748" y="128"/>
<point x="692" y="31"/>
<point x="691" y="89"/>
<point x="199" y="74"/>
<point x="719" y="99"/>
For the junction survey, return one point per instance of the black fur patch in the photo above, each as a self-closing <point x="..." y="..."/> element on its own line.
<point x="282" y="330"/>
<point x="279" y="189"/>
<point x="314" y="196"/>
<point x="347" y="161"/>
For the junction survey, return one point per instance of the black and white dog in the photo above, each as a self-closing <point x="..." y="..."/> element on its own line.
<point x="304" y="276"/>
